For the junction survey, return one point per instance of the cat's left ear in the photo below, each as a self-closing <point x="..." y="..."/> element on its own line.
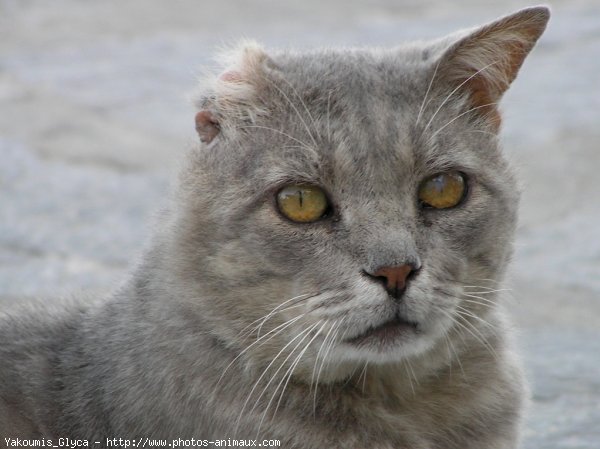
<point x="486" y="61"/>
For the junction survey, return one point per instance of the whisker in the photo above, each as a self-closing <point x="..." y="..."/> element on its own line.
<point x="453" y="92"/>
<point x="363" y="374"/>
<point x="457" y="117"/>
<point x="427" y="93"/>
<point x="491" y="306"/>
<point x="480" y="131"/>
<point x="305" y="331"/>
<point x="290" y="147"/>
<point x="331" y="343"/>
<point x="466" y="312"/>
<point x="277" y="330"/>
<point x="249" y="333"/>
<point x="328" y="117"/>
<point x="275" y="310"/>
<point x="293" y="106"/>
<point x="489" y="280"/>
<point x="451" y="345"/>
<point x="412" y="371"/>
<point x="312" y="377"/>
<point x="408" y="374"/>
<point x="454" y="319"/>
<point x="262" y="323"/>
<point x="289" y="376"/>
<point x="481" y="298"/>
<point x="447" y="341"/>
<point x="489" y="292"/>
<point x="304" y="105"/>
<point x="465" y="325"/>
<point x="488" y="289"/>
<point x="303" y="144"/>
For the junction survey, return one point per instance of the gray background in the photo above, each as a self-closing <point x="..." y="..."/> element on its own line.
<point x="95" y="115"/>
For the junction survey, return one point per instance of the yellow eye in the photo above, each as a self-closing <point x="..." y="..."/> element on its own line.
<point x="302" y="203"/>
<point x="443" y="190"/>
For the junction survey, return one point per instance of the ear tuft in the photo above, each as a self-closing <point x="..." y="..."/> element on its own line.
<point x="233" y="95"/>
<point x="231" y="76"/>
<point x="487" y="60"/>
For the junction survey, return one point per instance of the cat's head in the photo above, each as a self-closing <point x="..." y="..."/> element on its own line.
<point x="347" y="201"/>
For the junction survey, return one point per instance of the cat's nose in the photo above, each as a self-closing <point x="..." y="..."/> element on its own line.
<point x="395" y="278"/>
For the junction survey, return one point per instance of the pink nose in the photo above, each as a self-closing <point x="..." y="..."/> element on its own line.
<point x="395" y="278"/>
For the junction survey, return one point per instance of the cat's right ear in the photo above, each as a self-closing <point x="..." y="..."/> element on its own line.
<point x="232" y="98"/>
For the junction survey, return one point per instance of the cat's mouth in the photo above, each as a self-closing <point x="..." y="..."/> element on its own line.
<point x="385" y="333"/>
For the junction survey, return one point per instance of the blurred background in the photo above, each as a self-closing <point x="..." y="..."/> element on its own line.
<point x="95" y="116"/>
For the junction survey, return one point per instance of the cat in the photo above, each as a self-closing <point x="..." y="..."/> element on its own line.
<point x="329" y="274"/>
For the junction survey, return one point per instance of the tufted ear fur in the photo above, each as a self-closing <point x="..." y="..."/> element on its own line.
<point x="231" y="96"/>
<point x="487" y="60"/>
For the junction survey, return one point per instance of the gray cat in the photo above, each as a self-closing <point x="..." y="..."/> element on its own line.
<point x="329" y="276"/>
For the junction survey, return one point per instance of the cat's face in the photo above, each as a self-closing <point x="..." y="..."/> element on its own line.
<point x="381" y="270"/>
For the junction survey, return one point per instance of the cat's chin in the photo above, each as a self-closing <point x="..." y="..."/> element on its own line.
<point x="389" y="333"/>
<point x="392" y="340"/>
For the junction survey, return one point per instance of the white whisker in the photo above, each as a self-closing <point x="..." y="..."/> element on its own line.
<point x="303" y="144"/>
<point x="457" y="357"/>
<point x="363" y="374"/>
<point x="328" y="117"/>
<point x="289" y="373"/>
<point x="491" y="306"/>
<point x="427" y="93"/>
<point x="453" y="319"/>
<point x="276" y="309"/>
<point x="277" y="330"/>
<point x="456" y="118"/>
<point x="453" y="92"/>
<point x="305" y="331"/>
<point x="489" y="280"/>
<point x="274" y="376"/>
<point x="467" y="325"/>
<point x="333" y="339"/>
<point x="481" y="298"/>
<point x="480" y="131"/>
<point x="408" y="373"/>
<point x="312" y="377"/>
<point x="293" y="106"/>
<point x="466" y="312"/>
<point x="303" y="103"/>
<point x="487" y="289"/>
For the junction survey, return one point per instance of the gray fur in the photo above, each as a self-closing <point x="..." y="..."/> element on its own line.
<point x="168" y="355"/>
